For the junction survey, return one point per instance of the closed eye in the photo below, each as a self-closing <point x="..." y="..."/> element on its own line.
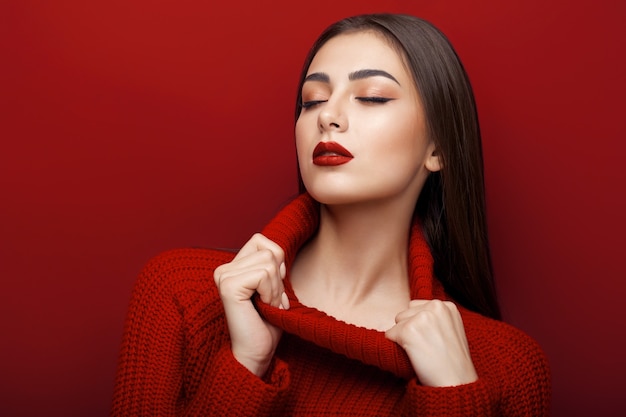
<point x="373" y="99"/>
<point x="309" y="104"/>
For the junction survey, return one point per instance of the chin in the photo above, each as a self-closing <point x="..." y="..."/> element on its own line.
<point x="343" y="197"/>
<point x="362" y="195"/>
<point x="332" y="195"/>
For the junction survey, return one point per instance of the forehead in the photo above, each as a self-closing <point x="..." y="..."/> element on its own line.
<point x="358" y="50"/>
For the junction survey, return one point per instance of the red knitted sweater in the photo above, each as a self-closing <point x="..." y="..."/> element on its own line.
<point x="176" y="359"/>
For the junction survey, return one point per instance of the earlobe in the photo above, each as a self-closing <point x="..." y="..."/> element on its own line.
<point x="433" y="161"/>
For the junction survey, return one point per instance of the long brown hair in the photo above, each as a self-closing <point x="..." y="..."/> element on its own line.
<point x="451" y="205"/>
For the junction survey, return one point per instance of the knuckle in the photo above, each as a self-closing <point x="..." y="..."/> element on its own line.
<point x="451" y="306"/>
<point x="227" y="286"/>
<point x="218" y="273"/>
<point x="413" y="328"/>
<point x="253" y="242"/>
<point x="435" y="303"/>
<point x="424" y="318"/>
<point x="266" y="255"/>
<point x="266" y="273"/>
<point x="437" y="306"/>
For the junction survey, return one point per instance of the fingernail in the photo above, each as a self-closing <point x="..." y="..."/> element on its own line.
<point x="285" y="301"/>
<point x="283" y="270"/>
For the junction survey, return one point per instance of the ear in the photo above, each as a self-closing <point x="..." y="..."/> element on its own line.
<point x="433" y="161"/>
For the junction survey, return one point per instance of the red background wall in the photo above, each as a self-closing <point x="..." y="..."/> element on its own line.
<point x="131" y="127"/>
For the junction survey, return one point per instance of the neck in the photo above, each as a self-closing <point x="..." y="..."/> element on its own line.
<point x="359" y="252"/>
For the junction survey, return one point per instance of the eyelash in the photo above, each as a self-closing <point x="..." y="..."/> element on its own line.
<point x="309" y="104"/>
<point x="374" y="100"/>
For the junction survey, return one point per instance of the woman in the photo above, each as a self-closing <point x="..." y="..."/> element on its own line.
<point x="371" y="293"/>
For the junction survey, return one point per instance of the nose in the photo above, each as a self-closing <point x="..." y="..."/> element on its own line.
<point x="331" y="118"/>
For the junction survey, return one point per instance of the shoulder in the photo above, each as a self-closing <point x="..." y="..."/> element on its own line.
<point x="188" y="259"/>
<point x="495" y="335"/>
<point x="174" y="322"/>
<point x="177" y="273"/>
<point x="508" y="355"/>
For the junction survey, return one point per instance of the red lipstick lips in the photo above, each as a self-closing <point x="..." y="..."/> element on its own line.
<point x="331" y="154"/>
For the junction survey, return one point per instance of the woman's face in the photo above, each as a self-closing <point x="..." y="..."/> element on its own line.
<point x="361" y="135"/>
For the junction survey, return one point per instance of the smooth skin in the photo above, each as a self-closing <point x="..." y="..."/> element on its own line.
<point x="258" y="267"/>
<point x="359" y="94"/>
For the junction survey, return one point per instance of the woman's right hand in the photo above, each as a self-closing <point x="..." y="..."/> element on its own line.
<point x="258" y="267"/>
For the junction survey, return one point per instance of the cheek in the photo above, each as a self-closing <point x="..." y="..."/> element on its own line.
<point x="303" y="144"/>
<point x="397" y="150"/>
<point x="409" y="140"/>
<point x="395" y="138"/>
<point x="300" y="138"/>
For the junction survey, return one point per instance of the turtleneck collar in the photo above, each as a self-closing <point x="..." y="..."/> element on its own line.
<point x="291" y="228"/>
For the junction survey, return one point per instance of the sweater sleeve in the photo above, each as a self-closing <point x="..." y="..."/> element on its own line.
<point x="232" y="391"/>
<point x="514" y="380"/>
<point x="527" y="391"/>
<point x="474" y="399"/>
<point x="175" y="358"/>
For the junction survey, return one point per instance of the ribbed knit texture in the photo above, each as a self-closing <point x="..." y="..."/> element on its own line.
<point x="175" y="358"/>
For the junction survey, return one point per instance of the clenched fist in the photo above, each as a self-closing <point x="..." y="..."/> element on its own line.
<point x="258" y="267"/>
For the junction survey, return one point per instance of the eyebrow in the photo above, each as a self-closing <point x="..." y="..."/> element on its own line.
<point x="356" y="75"/>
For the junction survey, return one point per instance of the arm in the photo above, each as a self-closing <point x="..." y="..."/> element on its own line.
<point x="433" y="336"/>
<point x="514" y="381"/>
<point x="512" y="373"/>
<point x="527" y="389"/>
<point x="473" y="399"/>
<point x="175" y="358"/>
<point x="447" y="384"/>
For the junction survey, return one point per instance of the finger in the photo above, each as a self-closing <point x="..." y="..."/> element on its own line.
<point x="455" y="316"/>
<point x="271" y="290"/>
<point x="442" y="310"/>
<point x="395" y="334"/>
<point x="415" y="306"/>
<point x="285" y="301"/>
<point x="405" y="314"/>
<point x="392" y="333"/>
<point x="263" y="257"/>
<point x="435" y="306"/>
<point x="257" y="260"/>
<point x="259" y="242"/>
<point x="418" y="303"/>
<point x="422" y="315"/>
<point x="240" y="286"/>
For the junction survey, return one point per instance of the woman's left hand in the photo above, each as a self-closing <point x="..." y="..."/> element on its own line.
<point x="432" y="334"/>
